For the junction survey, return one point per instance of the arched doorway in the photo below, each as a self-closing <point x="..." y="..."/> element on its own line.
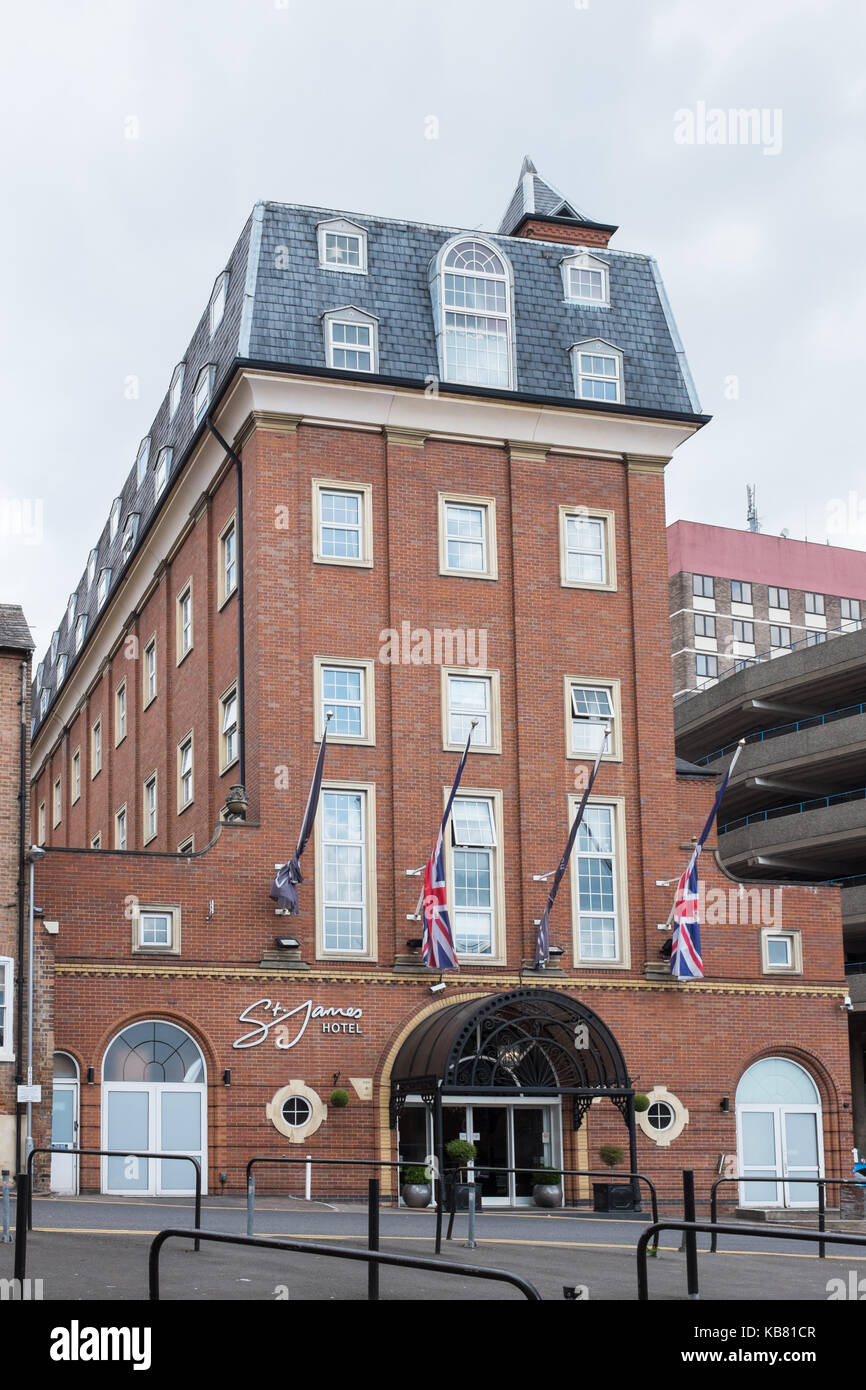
<point x="154" y="1098"/>
<point x="64" y="1125"/>
<point x="506" y="1072"/>
<point x="779" y="1134"/>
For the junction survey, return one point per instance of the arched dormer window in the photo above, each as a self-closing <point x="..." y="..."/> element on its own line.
<point x="473" y="309"/>
<point x="586" y="279"/>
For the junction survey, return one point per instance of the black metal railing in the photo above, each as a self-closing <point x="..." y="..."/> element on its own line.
<point x="630" y="1178"/>
<point x="691" y="1229"/>
<point x="373" y="1259"/>
<point x="821" y="1183"/>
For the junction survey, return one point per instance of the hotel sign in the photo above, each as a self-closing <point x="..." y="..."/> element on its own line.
<point x="289" y="1025"/>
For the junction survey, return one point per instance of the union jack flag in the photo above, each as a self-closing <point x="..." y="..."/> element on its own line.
<point x="437" y="941"/>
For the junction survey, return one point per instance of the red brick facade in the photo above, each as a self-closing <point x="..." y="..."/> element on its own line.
<point x="572" y="233"/>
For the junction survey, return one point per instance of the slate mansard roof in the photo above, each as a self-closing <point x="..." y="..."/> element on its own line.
<point x="276" y="296"/>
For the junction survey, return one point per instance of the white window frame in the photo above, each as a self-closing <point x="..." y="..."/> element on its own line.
<point x="120" y="713"/>
<point x="169" y="948"/>
<point x="225" y="588"/>
<point x="162" y="470"/>
<point x="217" y="304"/>
<point x="487" y="505"/>
<point x="350" y="316"/>
<point x="187" y="846"/>
<point x="130" y="536"/>
<point x="102" y="587"/>
<point x="55" y="641"/>
<point x="339" y="226"/>
<point x="226" y="761"/>
<point x="43" y="702"/>
<point x="7" y="1009"/>
<point x="150" y="811"/>
<point x="188" y="741"/>
<point x="96" y="842"/>
<point x="494" y="716"/>
<point x="70" y="610"/>
<point x="794" y="965"/>
<point x="622" y="960"/>
<point x="96" y="748"/>
<point x="75" y="777"/>
<point x="597" y="347"/>
<point x="367" y="669"/>
<point x="141" y="459"/>
<point x="41" y="824"/>
<point x="61" y="668"/>
<point x="80" y="631"/>
<point x="149" y="694"/>
<point x="121" y="828"/>
<point x="367" y="791"/>
<point x="114" y="518"/>
<point x="613" y="687"/>
<point x="441" y="309"/>
<point x="585" y="260"/>
<point x="184" y="630"/>
<point x="364" y="491"/>
<point x="56" y="802"/>
<point x="175" y="389"/>
<point x="91" y="568"/>
<point x="200" y="403"/>
<point x="608" y="518"/>
<point x="497" y="954"/>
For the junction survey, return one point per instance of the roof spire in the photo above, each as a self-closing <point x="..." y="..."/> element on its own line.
<point x="536" y="200"/>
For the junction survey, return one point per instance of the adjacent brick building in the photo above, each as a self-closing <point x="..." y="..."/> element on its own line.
<point x="413" y="476"/>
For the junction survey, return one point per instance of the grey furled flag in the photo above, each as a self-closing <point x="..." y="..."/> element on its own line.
<point x="542" y="944"/>
<point x="284" y="889"/>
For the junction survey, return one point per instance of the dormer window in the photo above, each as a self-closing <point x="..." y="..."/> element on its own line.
<point x="141" y="460"/>
<point x="103" y="587"/>
<point x="70" y="610"/>
<point x="217" y="305"/>
<point x="91" y="568"/>
<point x="80" y="630"/>
<point x="114" y="522"/>
<point x="202" y="393"/>
<point x="351" y="340"/>
<point x="130" y="535"/>
<point x="163" y="468"/>
<point x="586" y="280"/>
<point x="61" y="669"/>
<point x="39" y="672"/>
<point x="471" y="290"/>
<point x="55" y="638"/>
<point x="174" y="391"/>
<point x="342" y="246"/>
<point x="43" y="703"/>
<point x="597" y="367"/>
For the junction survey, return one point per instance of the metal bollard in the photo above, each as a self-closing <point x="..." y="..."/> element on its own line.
<point x="22" y="1185"/>
<point x="308" y="1178"/>
<point x="373" y="1238"/>
<point x="251" y="1203"/>
<point x="470" y="1178"/>
<point x="690" y="1237"/>
<point x="7" y="1235"/>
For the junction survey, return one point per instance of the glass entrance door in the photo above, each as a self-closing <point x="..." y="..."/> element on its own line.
<point x="531" y="1146"/>
<point x="505" y="1136"/>
<point x="490" y="1133"/>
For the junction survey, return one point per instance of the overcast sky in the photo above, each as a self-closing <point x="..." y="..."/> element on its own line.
<point x="111" y="243"/>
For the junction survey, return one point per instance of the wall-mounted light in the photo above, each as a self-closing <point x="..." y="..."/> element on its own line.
<point x="725" y="1104"/>
<point x="555" y="952"/>
<point x="227" y="1076"/>
<point x="287" y="943"/>
<point x="91" y="1075"/>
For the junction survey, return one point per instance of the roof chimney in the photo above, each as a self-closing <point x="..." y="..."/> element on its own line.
<point x="539" y="210"/>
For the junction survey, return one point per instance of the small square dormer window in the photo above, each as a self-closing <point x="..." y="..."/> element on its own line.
<point x="130" y="535"/>
<point x="351" y="340"/>
<point x="163" y="467"/>
<point x="70" y="609"/>
<point x="55" y="638"/>
<point x="91" y="568"/>
<point x="61" y="668"/>
<point x="114" y="521"/>
<point x="217" y="306"/>
<point x="586" y="280"/>
<point x="103" y="587"/>
<point x="202" y="393"/>
<point x="342" y="246"/>
<point x="175" y="389"/>
<point x="80" y="632"/>
<point x="597" y="369"/>
<point x="141" y="460"/>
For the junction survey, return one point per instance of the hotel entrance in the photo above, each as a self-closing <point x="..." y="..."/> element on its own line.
<point x="519" y="1134"/>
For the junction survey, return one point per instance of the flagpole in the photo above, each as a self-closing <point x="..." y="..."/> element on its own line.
<point x="436" y="917"/>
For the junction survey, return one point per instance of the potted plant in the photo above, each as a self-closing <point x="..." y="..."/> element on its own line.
<point x="547" y="1188"/>
<point x="417" y="1189"/>
<point x="610" y="1155"/>
<point x="458" y="1153"/>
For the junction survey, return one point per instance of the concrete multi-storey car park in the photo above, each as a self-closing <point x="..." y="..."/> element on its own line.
<point x="388" y="449"/>
<point x="796" y="803"/>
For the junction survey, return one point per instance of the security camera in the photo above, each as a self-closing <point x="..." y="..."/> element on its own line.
<point x="435" y="989"/>
<point x="846" y="1004"/>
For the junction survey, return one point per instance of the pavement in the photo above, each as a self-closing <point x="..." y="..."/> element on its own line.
<point x="93" y="1248"/>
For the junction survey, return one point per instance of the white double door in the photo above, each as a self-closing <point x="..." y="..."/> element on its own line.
<point x="779" y="1142"/>
<point x="155" y="1117"/>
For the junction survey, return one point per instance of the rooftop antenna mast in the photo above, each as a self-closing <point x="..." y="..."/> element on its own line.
<point x="752" y="517"/>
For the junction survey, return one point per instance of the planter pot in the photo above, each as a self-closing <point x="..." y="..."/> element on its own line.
<point x="547" y="1195"/>
<point x="417" y="1194"/>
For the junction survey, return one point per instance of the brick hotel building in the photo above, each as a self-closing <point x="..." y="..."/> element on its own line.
<point x="414" y="475"/>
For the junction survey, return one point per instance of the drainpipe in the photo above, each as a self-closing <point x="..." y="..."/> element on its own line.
<point x="22" y="855"/>
<point x="242" y="759"/>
